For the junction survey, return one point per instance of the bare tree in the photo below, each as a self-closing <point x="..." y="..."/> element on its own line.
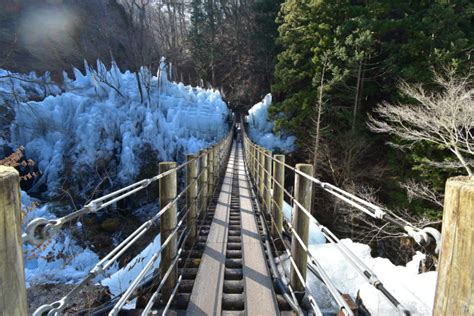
<point x="444" y="118"/>
<point x="417" y="190"/>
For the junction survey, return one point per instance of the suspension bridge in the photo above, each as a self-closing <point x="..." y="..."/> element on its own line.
<point x="223" y="236"/>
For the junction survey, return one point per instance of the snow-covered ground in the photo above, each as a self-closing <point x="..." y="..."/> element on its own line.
<point x="119" y="281"/>
<point x="414" y="290"/>
<point x="260" y="128"/>
<point x="59" y="260"/>
<point x="62" y="260"/>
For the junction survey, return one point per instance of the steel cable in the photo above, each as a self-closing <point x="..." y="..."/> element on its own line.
<point x="353" y="259"/>
<point x="41" y="229"/>
<point x="421" y="236"/>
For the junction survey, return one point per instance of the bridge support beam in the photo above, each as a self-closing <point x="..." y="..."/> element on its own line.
<point x="278" y="194"/>
<point x="12" y="276"/>
<point x="303" y="194"/>
<point x="191" y="197"/>
<point x="455" y="284"/>
<point x="168" y="222"/>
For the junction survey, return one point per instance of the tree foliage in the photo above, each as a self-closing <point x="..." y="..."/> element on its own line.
<point x="233" y="46"/>
<point x="365" y="48"/>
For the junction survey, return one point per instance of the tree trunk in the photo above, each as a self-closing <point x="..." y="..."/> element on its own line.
<point x="318" y="133"/>
<point x="357" y="96"/>
<point x="348" y="164"/>
<point x="318" y="122"/>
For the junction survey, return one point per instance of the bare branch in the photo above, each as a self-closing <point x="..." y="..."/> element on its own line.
<point x="422" y="191"/>
<point x="445" y="118"/>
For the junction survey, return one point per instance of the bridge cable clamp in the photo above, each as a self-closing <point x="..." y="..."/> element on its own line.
<point x="436" y="235"/>
<point x="58" y="306"/>
<point x="43" y="310"/>
<point x="146" y="183"/>
<point x="93" y="207"/>
<point x="379" y="213"/>
<point x="35" y="232"/>
<point x="421" y="237"/>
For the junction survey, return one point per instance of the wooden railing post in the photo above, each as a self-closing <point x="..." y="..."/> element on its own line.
<point x="254" y="162"/>
<point x="248" y="156"/>
<point x="251" y="160"/>
<point x="278" y="194"/>
<point x="12" y="276"/>
<point x="210" y="172"/>
<point x="219" y="158"/>
<point x="168" y="222"/>
<point x="216" y="166"/>
<point x="455" y="284"/>
<point x="261" y="176"/>
<point x="203" y="182"/>
<point x="303" y="187"/>
<point x="191" y="197"/>
<point x="257" y="171"/>
<point x="268" y="181"/>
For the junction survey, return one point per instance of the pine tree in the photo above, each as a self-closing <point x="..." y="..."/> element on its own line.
<point x="203" y="38"/>
<point x="365" y="48"/>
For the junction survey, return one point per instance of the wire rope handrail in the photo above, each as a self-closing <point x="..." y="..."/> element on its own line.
<point x="342" y="303"/>
<point x="40" y="229"/>
<point x="356" y="262"/>
<point x="421" y="235"/>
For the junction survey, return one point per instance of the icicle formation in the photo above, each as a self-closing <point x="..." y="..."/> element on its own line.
<point x="100" y="122"/>
<point x="16" y="87"/>
<point x="261" y="129"/>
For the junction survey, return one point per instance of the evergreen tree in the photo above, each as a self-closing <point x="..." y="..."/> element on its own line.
<point x="203" y="38"/>
<point x="365" y="48"/>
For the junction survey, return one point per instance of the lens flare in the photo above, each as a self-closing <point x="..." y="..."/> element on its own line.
<point x="49" y="29"/>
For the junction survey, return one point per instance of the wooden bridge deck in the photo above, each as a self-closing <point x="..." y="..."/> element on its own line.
<point x="208" y="291"/>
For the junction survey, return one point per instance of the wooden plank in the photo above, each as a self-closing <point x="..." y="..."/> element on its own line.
<point x="206" y="297"/>
<point x="259" y="294"/>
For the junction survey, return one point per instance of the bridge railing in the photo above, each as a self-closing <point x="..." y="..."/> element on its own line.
<point x="267" y="173"/>
<point x="177" y="229"/>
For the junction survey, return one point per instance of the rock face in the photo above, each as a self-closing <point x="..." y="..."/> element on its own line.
<point x="90" y="297"/>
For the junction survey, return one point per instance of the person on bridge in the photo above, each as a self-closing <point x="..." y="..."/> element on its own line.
<point x="237" y="131"/>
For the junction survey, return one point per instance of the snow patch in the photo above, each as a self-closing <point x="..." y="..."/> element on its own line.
<point x="119" y="281"/>
<point x="414" y="290"/>
<point x="60" y="260"/>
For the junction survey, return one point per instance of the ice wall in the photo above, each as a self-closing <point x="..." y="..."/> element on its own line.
<point x="260" y="128"/>
<point x="103" y="120"/>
